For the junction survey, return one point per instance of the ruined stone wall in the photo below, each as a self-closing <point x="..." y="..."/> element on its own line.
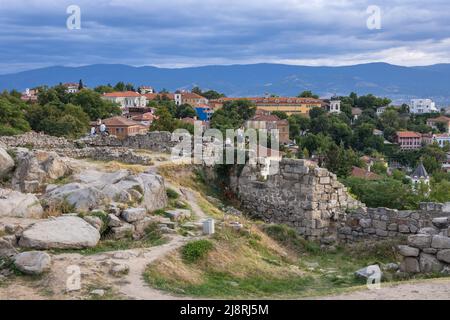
<point x="154" y="141"/>
<point x="107" y="154"/>
<point x="299" y="194"/>
<point x="383" y="223"/>
<point x="36" y="140"/>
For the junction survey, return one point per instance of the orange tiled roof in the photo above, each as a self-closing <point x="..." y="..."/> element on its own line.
<point x="408" y="134"/>
<point x="122" y="94"/>
<point x="362" y="173"/>
<point x="119" y="122"/>
<point x="274" y="100"/>
<point x="443" y="119"/>
<point x="153" y="96"/>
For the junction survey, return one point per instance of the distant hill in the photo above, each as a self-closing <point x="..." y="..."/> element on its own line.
<point x="398" y="83"/>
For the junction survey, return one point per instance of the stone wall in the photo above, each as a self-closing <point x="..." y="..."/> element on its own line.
<point x="107" y="154"/>
<point x="299" y="194"/>
<point x="429" y="250"/>
<point x="154" y="141"/>
<point x="383" y="223"/>
<point x="37" y="141"/>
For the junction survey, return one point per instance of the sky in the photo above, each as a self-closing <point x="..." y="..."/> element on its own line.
<point x="180" y="33"/>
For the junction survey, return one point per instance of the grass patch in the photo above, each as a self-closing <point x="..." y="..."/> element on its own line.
<point x="194" y="251"/>
<point x="172" y="194"/>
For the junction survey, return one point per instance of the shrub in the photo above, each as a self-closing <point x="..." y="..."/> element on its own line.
<point x="172" y="194"/>
<point x="196" y="250"/>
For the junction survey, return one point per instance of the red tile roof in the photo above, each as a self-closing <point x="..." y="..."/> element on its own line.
<point x="119" y="122"/>
<point x="408" y="134"/>
<point x="124" y="94"/>
<point x="362" y="173"/>
<point x="275" y="100"/>
<point x="442" y="119"/>
<point x="153" y="96"/>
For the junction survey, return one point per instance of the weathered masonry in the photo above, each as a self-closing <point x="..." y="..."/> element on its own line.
<point x="299" y="194"/>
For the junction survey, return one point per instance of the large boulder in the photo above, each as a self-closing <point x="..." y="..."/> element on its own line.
<point x="410" y="265"/>
<point x="35" y="168"/>
<point x="7" y="250"/>
<point x="444" y="255"/>
<point x="440" y="242"/>
<point x="80" y="196"/>
<point x="32" y="262"/>
<point x="408" y="251"/>
<point x="6" y="162"/>
<point x="93" y="189"/>
<point x="420" y="241"/>
<point x="66" y="232"/>
<point x="429" y="263"/>
<point x="20" y="205"/>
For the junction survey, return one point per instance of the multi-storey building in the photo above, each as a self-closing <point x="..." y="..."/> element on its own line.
<point x="265" y="120"/>
<point x="408" y="140"/>
<point x="442" y="120"/>
<point x="418" y="106"/>
<point x="127" y="99"/>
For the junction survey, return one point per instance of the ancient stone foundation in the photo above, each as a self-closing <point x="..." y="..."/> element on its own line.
<point x="298" y="193"/>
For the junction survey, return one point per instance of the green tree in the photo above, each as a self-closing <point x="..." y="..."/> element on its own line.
<point x="12" y="118"/>
<point x="92" y="103"/>
<point x="308" y="94"/>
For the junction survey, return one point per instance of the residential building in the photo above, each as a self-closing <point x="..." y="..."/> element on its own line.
<point x="427" y="138"/>
<point x="418" y="106"/>
<point x="159" y="96"/>
<point x="190" y="98"/>
<point x="121" y="127"/>
<point x="381" y="110"/>
<point x="146" y="90"/>
<point x="127" y="99"/>
<point x="364" y="174"/>
<point x="30" y="95"/>
<point x="377" y="133"/>
<point x="204" y="112"/>
<point x="356" y="113"/>
<point x="289" y="105"/>
<point x="442" y="139"/>
<point x="71" y="87"/>
<point x="145" y="119"/>
<point x="268" y="121"/>
<point x="408" y="140"/>
<point x="439" y="121"/>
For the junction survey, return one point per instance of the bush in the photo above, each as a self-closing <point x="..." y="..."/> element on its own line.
<point x="172" y="194"/>
<point x="194" y="251"/>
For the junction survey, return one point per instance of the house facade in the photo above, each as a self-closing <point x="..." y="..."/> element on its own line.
<point x="442" y="139"/>
<point x="439" y="121"/>
<point x="127" y="99"/>
<point x="265" y="120"/>
<point x="289" y="105"/>
<point x="121" y="127"/>
<point x="409" y="140"/>
<point x="419" y="106"/>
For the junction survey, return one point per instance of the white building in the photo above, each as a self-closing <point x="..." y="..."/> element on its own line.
<point x="335" y="106"/>
<point x="418" y="106"/>
<point x="71" y="87"/>
<point x="127" y="99"/>
<point x="380" y="110"/>
<point x="419" y="176"/>
<point x="441" y="139"/>
<point x="146" y="90"/>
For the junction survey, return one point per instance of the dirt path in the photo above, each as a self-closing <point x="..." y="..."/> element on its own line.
<point x="433" y="289"/>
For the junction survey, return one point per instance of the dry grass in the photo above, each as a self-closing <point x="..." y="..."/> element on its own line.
<point x="116" y="166"/>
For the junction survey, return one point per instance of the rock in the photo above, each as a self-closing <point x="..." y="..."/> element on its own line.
<point x="403" y="228"/>
<point x="94" y="221"/>
<point x="20" y="205"/>
<point x="178" y="214"/>
<point x="82" y="197"/>
<point x="419" y="241"/>
<point x="166" y="230"/>
<point x="408" y="251"/>
<point x="365" y="223"/>
<point x="61" y="233"/>
<point x="6" y="163"/>
<point x="134" y="214"/>
<point x="391" y="267"/>
<point x="429" y="263"/>
<point x="410" y="265"/>
<point x="135" y="195"/>
<point x="113" y="221"/>
<point x="141" y="225"/>
<point x="440" y="242"/>
<point x="154" y="191"/>
<point x="366" y="272"/>
<point x="126" y="230"/>
<point x="446" y="270"/>
<point x="35" y="168"/>
<point x="114" y="209"/>
<point x="32" y="262"/>
<point x="119" y="269"/>
<point x="429" y="230"/>
<point x="7" y="250"/>
<point x="444" y="255"/>
<point x="430" y="250"/>
<point x="440" y="223"/>
<point x="98" y="292"/>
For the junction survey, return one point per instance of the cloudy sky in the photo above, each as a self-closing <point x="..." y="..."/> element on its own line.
<point x="178" y="33"/>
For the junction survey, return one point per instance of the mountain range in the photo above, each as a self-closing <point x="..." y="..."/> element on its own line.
<point x="396" y="82"/>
